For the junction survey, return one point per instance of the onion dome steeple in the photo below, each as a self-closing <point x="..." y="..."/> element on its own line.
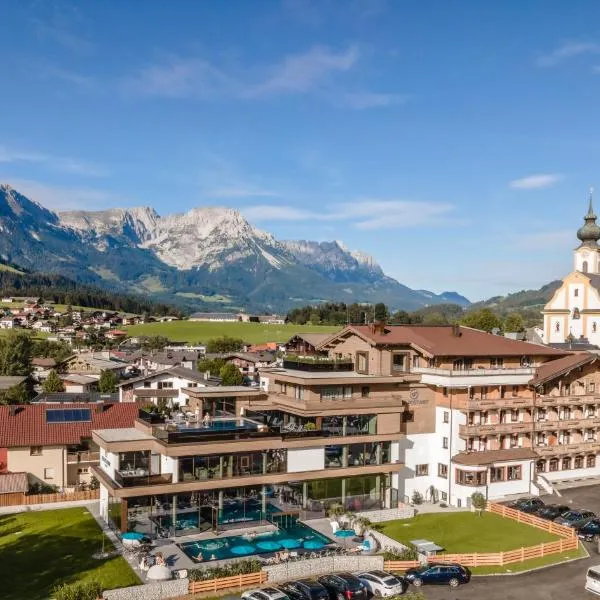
<point x="589" y="233"/>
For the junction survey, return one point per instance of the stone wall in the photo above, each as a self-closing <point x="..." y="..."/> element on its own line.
<point x="385" y="542"/>
<point x="321" y="566"/>
<point x="388" y="514"/>
<point x="160" y="590"/>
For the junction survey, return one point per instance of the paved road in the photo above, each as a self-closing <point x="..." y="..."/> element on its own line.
<point x="563" y="582"/>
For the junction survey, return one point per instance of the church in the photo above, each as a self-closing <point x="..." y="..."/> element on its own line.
<point x="573" y="312"/>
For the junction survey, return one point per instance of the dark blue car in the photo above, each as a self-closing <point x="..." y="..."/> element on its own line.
<point x="451" y="574"/>
<point x="589" y="531"/>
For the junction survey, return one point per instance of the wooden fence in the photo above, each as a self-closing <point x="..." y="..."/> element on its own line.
<point x="24" y="499"/>
<point x="568" y="541"/>
<point x="227" y="583"/>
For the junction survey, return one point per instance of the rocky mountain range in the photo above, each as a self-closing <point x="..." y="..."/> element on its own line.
<point x="207" y="257"/>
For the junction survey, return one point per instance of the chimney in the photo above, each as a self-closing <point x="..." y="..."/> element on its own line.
<point x="379" y="327"/>
<point x="12" y="410"/>
<point x="456" y="330"/>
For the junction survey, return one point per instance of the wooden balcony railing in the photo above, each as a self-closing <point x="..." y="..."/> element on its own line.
<point x="581" y="447"/>
<point x="497" y="428"/>
<point x="81" y="457"/>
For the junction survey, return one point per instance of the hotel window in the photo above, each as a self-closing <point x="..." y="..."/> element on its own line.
<point x="566" y="463"/>
<point x="514" y="441"/>
<point x="576" y="293"/>
<point x="364" y="391"/>
<point x="421" y="470"/>
<point x="415" y="361"/>
<point x="299" y="392"/>
<point x="514" y="416"/>
<point x="444" y="496"/>
<point x="445" y="443"/>
<point x="49" y="473"/>
<point x="462" y="364"/>
<point x="496" y="363"/>
<point x="579" y="462"/>
<point x="471" y="393"/>
<point x="147" y="384"/>
<point x="514" y="391"/>
<point x="540" y="466"/>
<point x="475" y="478"/>
<point x="591" y="388"/>
<point x="445" y="392"/>
<point x="443" y="470"/>
<point x="513" y="473"/>
<point x="283" y="388"/>
<point x="35" y="451"/>
<point x="567" y="389"/>
<point x="332" y="392"/>
<point x="165" y="385"/>
<point x="484" y="392"/>
<point x="553" y="465"/>
<point x="590" y="461"/>
<point x="446" y="416"/>
<point x="496" y="474"/>
<point x="398" y="362"/>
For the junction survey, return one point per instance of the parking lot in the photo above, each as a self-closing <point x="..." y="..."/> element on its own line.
<point x="563" y="582"/>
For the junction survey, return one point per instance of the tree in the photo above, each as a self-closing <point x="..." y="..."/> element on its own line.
<point x="478" y="502"/>
<point x="53" y="383"/>
<point x="17" y="394"/>
<point x="16" y="351"/>
<point x="230" y="375"/>
<point x="107" y="384"/>
<point x="435" y="318"/>
<point x="210" y="365"/>
<point x="224" y="344"/>
<point x="514" y="323"/>
<point x="484" y="319"/>
<point x="380" y="312"/>
<point x="154" y="342"/>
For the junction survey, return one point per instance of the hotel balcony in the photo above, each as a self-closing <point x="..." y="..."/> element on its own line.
<point x="493" y="429"/>
<point x="556" y="424"/>
<point x="82" y="457"/>
<point x="475" y="377"/>
<point x="508" y="402"/>
<point x="578" y="448"/>
<point x="127" y="479"/>
<point x="562" y="400"/>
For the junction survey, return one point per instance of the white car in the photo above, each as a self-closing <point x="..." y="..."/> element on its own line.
<point x="382" y="584"/>
<point x="268" y="593"/>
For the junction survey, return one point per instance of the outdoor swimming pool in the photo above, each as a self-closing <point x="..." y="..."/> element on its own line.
<point x="291" y="535"/>
<point x="220" y="424"/>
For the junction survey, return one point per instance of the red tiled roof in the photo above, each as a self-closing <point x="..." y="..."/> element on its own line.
<point x="554" y="368"/>
<point x="489" y="457"/>
<point x="442" y="341"/>
<point x="28" y="427"/>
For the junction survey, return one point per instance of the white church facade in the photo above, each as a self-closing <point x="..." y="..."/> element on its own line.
<point x="573" y="312"/>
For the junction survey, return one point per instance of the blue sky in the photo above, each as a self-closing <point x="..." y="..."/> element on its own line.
<point x="453" y="141"/>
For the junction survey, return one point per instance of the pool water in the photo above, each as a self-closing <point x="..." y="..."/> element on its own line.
<point x="290" y="535"/>
<point x="221" y="424"/>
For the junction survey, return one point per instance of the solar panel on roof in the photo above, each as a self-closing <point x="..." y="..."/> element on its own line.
<point x="68" y="415"/>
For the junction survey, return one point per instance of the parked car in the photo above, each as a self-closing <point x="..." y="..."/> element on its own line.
<point x="451" y="574"/>
<point x="574" y="518"/>
<point x="527" y="505"/>
<point x="552" y="511"/>
<point x="268" y="593"/>
<point x="382" y="584"/>
<point x="305" y="589"/>
<point x="589" y="531"/>
<point x="344" y="586"/>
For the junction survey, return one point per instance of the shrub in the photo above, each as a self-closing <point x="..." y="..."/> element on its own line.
<point x="243" y="567"/>
<point x="417" y="498"/>
<point x="408" y="553"/>
<point x="478" y="501"/>
<point x="84" y="590"/>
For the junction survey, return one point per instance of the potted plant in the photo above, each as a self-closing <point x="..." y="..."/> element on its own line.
<point x="335" y="511"/>
<point x="361" y="525"/>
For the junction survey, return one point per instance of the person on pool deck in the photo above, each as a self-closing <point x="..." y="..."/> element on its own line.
<point x="206" y="420"/>
<point x="160" y="561"/>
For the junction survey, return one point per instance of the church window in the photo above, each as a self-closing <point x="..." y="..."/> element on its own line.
<point x="557" y="327"/>
<point x="576" y="314"/>
<point x="584" y="266"/>
<point x="576" y="293"/>
<point x="594" y="327"/>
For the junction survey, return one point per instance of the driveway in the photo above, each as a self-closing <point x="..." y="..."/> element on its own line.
<point x="587" y="497"/>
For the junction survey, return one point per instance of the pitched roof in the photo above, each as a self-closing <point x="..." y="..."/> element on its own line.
<point x="13" y="483"/>
<point x="43" y="362"/>
<point x="448" y="340"/>
<point x="78" y="378"/>
<point x="28" y="426"/>
<point x="8" y="381"/>
<point x="314" y="339"/>
<point x="180" y="372"/>
<point x="253" y="357"/>
<point x="94" y="397"/>
<point x="561" y="366"/>
<point x="489" y="457"/>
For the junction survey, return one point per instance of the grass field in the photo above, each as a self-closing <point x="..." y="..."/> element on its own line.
<point x="465" y="532"/>
<point x="195" y="331"/>
<point x="39" y="550"/>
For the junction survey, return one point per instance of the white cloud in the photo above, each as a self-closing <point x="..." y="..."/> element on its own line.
<point x="57" y="163"/>
<point x="535" y="182"/>
<point x="367" y="214"/>
<point x="362" y="100"/>
<point x="567" y="51"/>
<point x="67" y="198"/>
<point x="301" y="73"/>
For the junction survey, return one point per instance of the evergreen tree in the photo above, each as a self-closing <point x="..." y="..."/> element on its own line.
<point x="381" y="312"/>
<point x="230" y="375"/>
<point x="17" y="394"/>
<point x="53" y="383"/>
<point x="107" y="384"/>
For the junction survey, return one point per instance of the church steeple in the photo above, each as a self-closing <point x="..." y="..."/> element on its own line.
<point x="589" y="233"/>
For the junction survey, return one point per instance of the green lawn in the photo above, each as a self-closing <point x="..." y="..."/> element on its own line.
<point x="39" y="550"/>
<point x="194" y="331"/>
<point x="467" y="532"/>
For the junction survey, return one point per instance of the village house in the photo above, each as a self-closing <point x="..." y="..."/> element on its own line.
<point x="305" y="343"/>
<point x="94" y="363"/>
<point x="53" y="444"/>
<point x="75" y="383"/>
<point x="249" y="363"/>
<point x="150" y="362"/>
